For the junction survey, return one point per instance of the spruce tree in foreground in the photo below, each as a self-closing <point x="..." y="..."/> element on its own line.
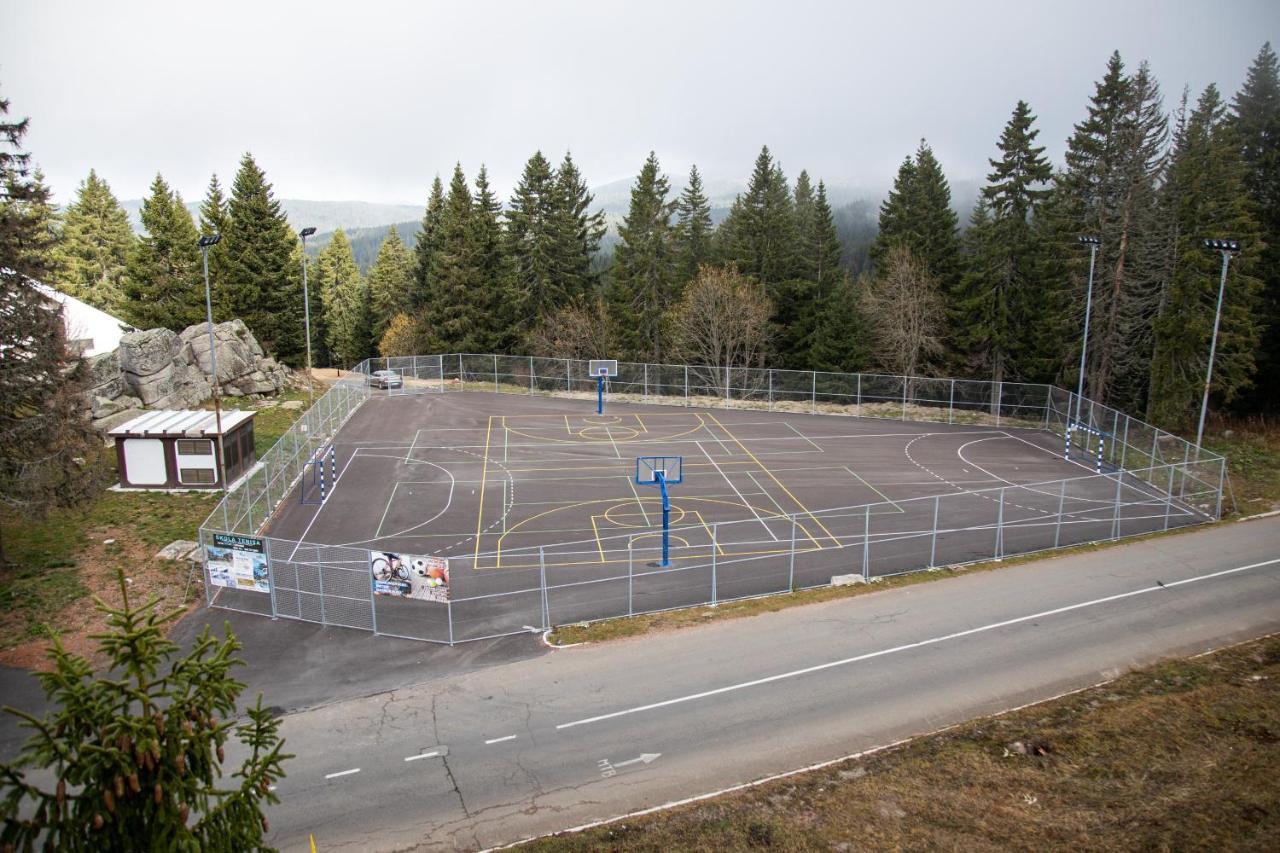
<point x="841" y="339"/>
<point x="1256" y="120"/>
<point x="95" y="245"/>
<point x="530" y="242"/>
<point x="213" y="220"/>
<point x="693" y="234"/>
<point x="164" y="285"/>
<point x="918" y="215"/>
<point x="424" y="248"/>
<point x="494" y="270"/>
<point x="454" y="320"/>
<point x="1208" y="197"/>
<point x="390" y="283"/>
<point x="345" y="296"/>
<point x="643" y="286"/>
<point x="263" y="283"/>
<point x="575" y="233"/>
<point x="761" y="237"/>
<point x="139" y="758"/>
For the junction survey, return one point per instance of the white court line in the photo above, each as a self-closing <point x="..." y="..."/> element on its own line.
<point x="431" y="754"/>
<point x="639" y="503"/>
<point x="499" y="740"/>
<point x="609" y="432"/>
<point x="303" y="538"/>
<point x="802" y="435"/>
<point x="378" y="533"/>
<point x="341" y="773"/>
<point x="908" y="646"/>
<point x="745" y="502"/>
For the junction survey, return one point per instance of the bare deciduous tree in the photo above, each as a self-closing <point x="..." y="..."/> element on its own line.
<point x="581" y="329"/>
<point x="723" y="321"/>
<point x="906" y="311"/>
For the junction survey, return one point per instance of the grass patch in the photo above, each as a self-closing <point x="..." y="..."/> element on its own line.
<point x="1253" y="460"/>
<point x="1178" y="756"/>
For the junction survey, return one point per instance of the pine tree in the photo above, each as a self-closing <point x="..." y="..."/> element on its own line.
<point x="821" y="246"/>
<point x="164" y="285"/>
<point x="1113" y="162"/>
<point x="529" y="241"/>
<point x="917" y="214"/>
<point x="95" y="245"/>
<point x="424" y="248"/>
<point x="390" y="283"/>
<point x="345" y="297"/>
<point x="454" y="318"/>
<point x="841" y="339"/>
<point x="1208" y="195"/>
<point x="47" y="447"/>
<point x="138" y="748"/>
<point x="1256" y="118"/>
<point x="213" y="220"/>
<point x="643" y="287"/>
<point x="1000" y="312"/>
<point x="498" y="331"/>
<point x="575" y="232"/>
<point x="693" y="234"/>
<point x="263" y="283"/>
<point x="761" y="227"/>
<point x="805" y="265"/>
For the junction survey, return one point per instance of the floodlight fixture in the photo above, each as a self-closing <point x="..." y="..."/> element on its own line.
<point x="209" y="240"/>
<point x="306" y="232"/>
<point x="1089" y="240"/>
<point x="1223" y="245"/>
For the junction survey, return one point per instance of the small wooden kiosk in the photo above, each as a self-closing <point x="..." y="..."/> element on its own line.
<point x="179" y="449"/>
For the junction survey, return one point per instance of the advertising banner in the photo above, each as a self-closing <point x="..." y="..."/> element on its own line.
<point x="239" y="562"/>
<point x="410" y="576"/>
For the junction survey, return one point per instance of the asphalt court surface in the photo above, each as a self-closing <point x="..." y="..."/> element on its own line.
<point x="487" y="479"/>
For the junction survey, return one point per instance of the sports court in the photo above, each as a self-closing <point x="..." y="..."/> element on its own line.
<point x="490" y="480"/>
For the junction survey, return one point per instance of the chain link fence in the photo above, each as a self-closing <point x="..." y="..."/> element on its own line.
<point x="1148" y="480"/>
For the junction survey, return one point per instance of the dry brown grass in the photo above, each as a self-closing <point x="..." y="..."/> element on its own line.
<point x="1179" y="756"/>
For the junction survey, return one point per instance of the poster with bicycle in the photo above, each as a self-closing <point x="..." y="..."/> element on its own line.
<point x="410" y="576"/>
<point x="239" y="562"/>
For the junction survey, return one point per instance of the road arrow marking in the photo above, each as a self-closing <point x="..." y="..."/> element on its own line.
<point x="608" y="768"/>
<point x="647" y="758"/>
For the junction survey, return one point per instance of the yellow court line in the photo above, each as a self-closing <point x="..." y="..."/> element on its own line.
<point x="484" y="477"/>
<point x="580" y="437"/>
<point x="643" y="428"/>
<point x="765" y="469"/>
<point x="594" y="527"/>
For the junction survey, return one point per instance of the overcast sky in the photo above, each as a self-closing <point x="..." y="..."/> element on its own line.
<point x="368" y="100"/>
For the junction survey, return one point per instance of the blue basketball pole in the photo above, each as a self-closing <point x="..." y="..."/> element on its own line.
<point x="661" y="477"/>
<point x="600" y="395"/>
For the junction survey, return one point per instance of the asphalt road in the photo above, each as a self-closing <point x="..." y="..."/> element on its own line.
<point x="504" y="752"/>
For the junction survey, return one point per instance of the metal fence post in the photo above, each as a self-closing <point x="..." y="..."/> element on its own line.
<point x="373" y="606"/>
<point x="1057" y="528"/>
<point x="462" y="382"/>
<point x="951" y="403"/>
<point x="1115" y="518"/>
<point x="904" y="398"/>
<point x="530" y="374"/>
<point x="1182" y="481"/>
<point x="791" y="569"/>
<point x="771" y="389"/>
<point x="495" y="374"/>
<point x="686" y="384"/>
<point x="858" y="400"/>
<point x="449" y="612"/>
<point x="1124" y="443"/>
<point x="1168" y="499"/>
<point x="866" y="545"/>
<point x="1222" y="476"/>
<point x="933" y="541"/>
<point x="631" y="551"/>
<point x="271" y="574"/>
<point x="645" y="396"/>
<point x="999" y="555"/>
<point x="568" y="387"/>
<point x="715" y="538"/>
<point x="542" y="574"/>
<point x="813" y="392"/>
<point x="999" y="400"/>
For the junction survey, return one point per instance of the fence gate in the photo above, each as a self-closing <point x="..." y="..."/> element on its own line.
<point x="335" y="590"/>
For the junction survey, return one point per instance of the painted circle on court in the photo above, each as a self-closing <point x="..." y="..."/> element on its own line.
<point x="629" y="509"/>
<point x="609" y="433"/>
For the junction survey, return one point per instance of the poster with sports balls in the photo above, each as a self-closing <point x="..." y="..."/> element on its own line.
<point x="410" y="576"/>
<point x="239" y="562"/>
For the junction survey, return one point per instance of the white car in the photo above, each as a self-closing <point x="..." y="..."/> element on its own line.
<point x="386" y="379"/>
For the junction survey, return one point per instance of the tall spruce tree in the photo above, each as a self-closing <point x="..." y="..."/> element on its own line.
<point x="644" y="277"/>
<point x="805" y="266"/>
<point x="454" y="320"/>
<point x="575" y="231"/>
<point x="761" y="228"/>
<point x="390" y="283"/>
<point x="47" y="446"/>
<point x="841" y="338"/>
<point x="1000" y="312"/>
<point x="918" y="215"/>
<point x="1114" y="160"/>
<point x="1208" y="197"/>
<point x="498" y="331"/>
<point x="263" y="283"/>
<point x="693" y="234"/>
<point x="1256" y="118"/>
<point x="164" y="286"/>
<point x="530" y="242"/>
<point x="424" y="248"/>
<point x="213" y="220"/>
<point x="820" y="246"/>
<point x="95" y="245"/>
<point x="345" y="296"/>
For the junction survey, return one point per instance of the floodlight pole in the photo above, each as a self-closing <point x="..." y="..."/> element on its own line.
<point x="1092" y="243"/>
<point x="205" y="243"/>
<point x="306" y="311"/>
<point x="1227" y="248"/>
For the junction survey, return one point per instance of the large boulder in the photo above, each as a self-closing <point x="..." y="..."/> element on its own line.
<point x="148" y="353"/>
<point x="104" y="376"/>
<point x="155" y="389"/>
<point x="236" y="349"/>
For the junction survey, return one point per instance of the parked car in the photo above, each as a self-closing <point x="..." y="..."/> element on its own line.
<point x="386" y="379"/>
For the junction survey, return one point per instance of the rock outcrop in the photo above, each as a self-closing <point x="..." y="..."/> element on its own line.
<point x="161" y="370"/>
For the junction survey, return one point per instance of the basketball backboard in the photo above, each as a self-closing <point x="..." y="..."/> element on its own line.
<point x="647" y="468"/>
<point x="602" y="367"/>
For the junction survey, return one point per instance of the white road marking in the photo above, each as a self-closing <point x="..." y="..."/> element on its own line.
<point x="431" y="754"/>
<point x="647" y="758"/>
<point x="920" y="644"/>
<point x="500" y="739"/>
<point x="341" y="773"/>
